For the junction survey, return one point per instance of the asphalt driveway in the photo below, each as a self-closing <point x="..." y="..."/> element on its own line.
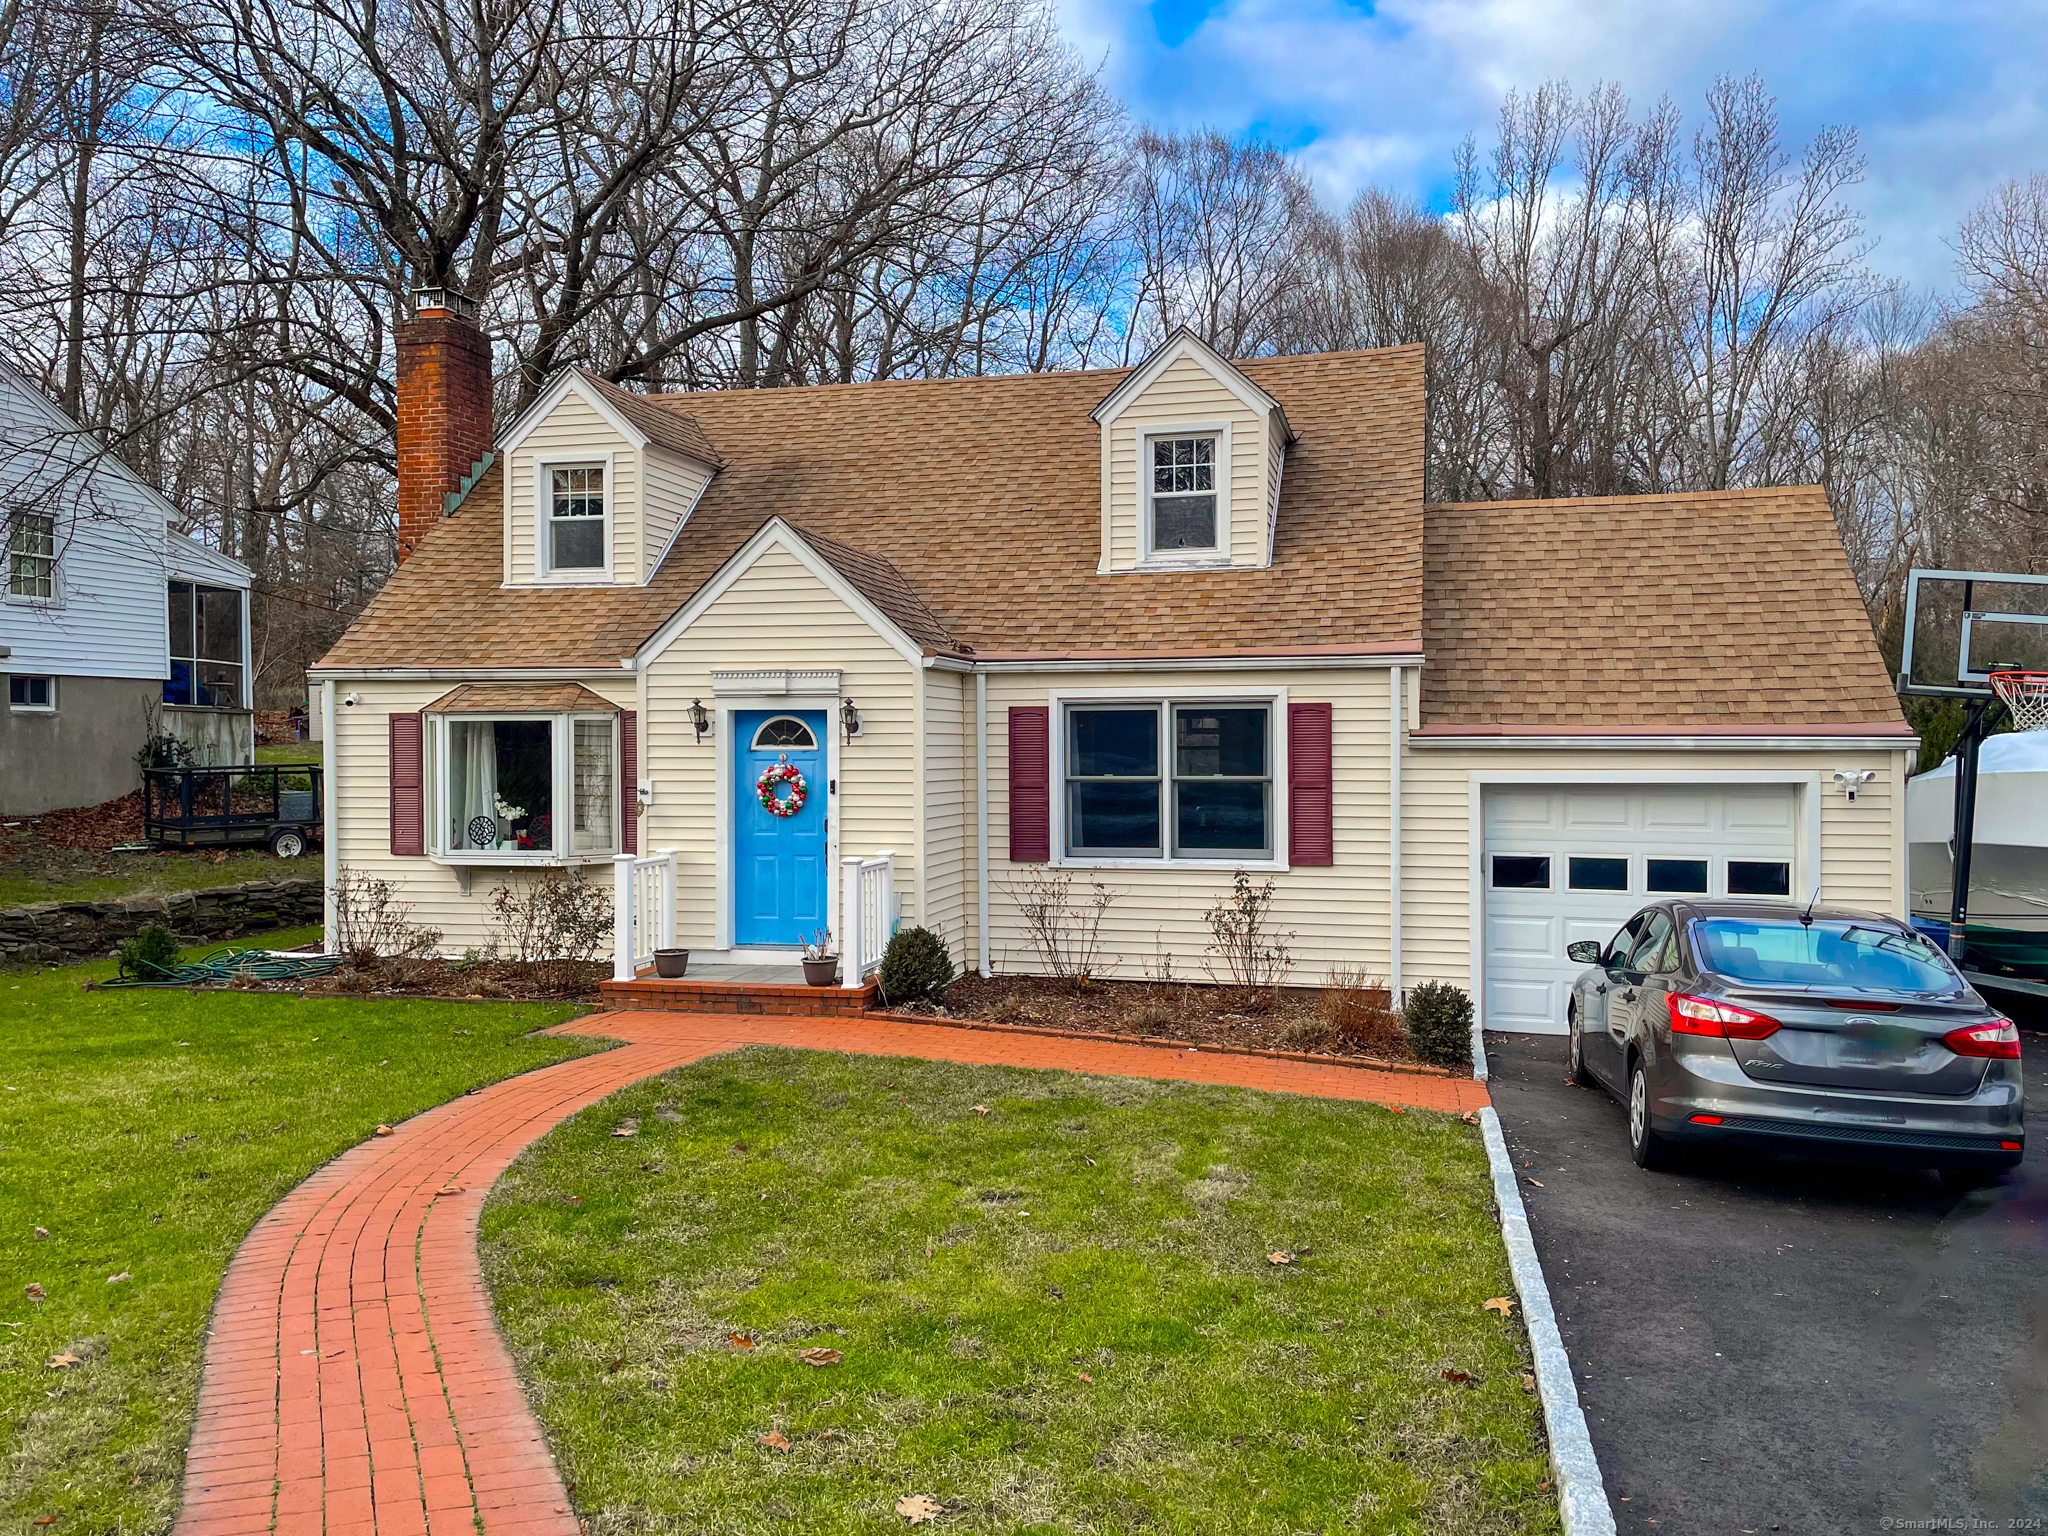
<point x="1775" y="1346"/>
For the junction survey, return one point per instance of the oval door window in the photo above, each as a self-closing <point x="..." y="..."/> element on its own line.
<point x="784" y="732"/>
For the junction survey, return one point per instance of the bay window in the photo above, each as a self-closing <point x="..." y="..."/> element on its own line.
<point x="538" y="787"/>
<point x="1169" y="780"/>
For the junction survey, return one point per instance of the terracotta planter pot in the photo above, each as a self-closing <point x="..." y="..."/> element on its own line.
<point x="821" y="973"/>
<point x="671" y="964"/>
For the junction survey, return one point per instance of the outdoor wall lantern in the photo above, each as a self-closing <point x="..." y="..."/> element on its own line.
<point x="849" y="718"/>
<point x="700" y="718"/>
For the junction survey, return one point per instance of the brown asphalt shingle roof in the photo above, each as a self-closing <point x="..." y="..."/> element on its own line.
<point x="489" y="698"/>
<point x="984" y="496"/>
<point x="1707" y="609"/>
<point x="968" y="511"/>
<point x="665" y="426"/>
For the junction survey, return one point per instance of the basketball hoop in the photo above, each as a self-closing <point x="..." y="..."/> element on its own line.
<point x="2025" y="694"/>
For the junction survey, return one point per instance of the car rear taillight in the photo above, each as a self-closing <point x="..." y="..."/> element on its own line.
<point x="1703" y="1016"/>
<point x="1998" y="1039"/>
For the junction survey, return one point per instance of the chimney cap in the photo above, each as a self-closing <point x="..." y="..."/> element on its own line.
<point x="445" y="300"/>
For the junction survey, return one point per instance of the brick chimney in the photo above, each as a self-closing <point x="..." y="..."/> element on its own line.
<point x="444" y="408"/>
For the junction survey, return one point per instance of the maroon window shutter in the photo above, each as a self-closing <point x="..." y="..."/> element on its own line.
<point x="1311" y="833"/>
<point x="1030" y="785"/>
<point x="408" y="786"/>
<point x="629" y="780"/>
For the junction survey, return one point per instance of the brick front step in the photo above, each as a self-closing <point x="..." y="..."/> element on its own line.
<point x="686" y="996"/>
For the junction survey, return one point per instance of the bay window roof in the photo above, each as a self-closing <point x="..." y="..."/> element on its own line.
<point x="520" y="699"/>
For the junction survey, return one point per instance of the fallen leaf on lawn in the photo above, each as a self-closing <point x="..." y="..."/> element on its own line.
<point x="820" y="1356"/>
<point x="575" y="1199"/>
<point x="1087" y="1378"/>
<point x="1501" y="1304"/>
<point x="462" y="1031"/>
<point x="46" y="1519"/>
<point x="775" y="1440"/>
<point x="627" y="1128"/>
<point x="616" y="1363"/>
<point x="41" y="1233"/>
<point x="979" y="1109"/>
<point x="1457" y="1375"/>
<point x="1088" y="1160"/>
<point x="64" y="1362"/>
<point x="1544" y="1487"/>
<point x="1537" y="1182"/>
<point x="1469" y="1118"/>
<point x="1528" y="1382"/>
<point x="33" y="1291"/>
<point x="740" y="1341"/>
<point x="117" y="1279"/>
<point x="1396" y="1109"/>
<point x="1279" y="1258"/>
<point x="919" y="1507"/>
<point x="649" y="1167"/>
<point x="181" y="1042"/>
<point x="382" y="1130"/>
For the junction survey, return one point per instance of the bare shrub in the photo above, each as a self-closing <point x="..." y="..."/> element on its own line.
<point x="372" y="924"/>
<point x="1356" y="1010"/>
<point x="558" y="916"/>
<point x="1065" y="928"/>
<point x="1256" y="959"/>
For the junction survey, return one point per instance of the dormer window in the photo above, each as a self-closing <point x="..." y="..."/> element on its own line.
<point x="1183" y="494"/>
<point x="576" y="534"/>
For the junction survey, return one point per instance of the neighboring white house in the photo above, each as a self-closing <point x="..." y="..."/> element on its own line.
<point x="1142" y="628"/>
<point x="108" y="618"/>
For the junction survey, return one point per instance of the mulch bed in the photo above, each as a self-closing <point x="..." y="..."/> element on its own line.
<point x="519" y="981"/>
<point x="1293" y="1020"/>
<point x="89" y="827"/>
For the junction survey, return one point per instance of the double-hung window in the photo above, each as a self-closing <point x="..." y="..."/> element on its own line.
<point x="1169" y="780"/>
<point x="1181" y="493"/>
<point x="32" y="556"/>
<point x="575" y="524"/>
<point x="538" y="787"/>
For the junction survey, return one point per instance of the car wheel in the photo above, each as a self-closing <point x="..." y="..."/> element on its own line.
<point x="288" y="844"/>
<point x="1575" y="1051"/>
<point x="1648" y="1148"/>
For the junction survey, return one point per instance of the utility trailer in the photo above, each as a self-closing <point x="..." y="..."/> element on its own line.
<point x="275" y="804"/>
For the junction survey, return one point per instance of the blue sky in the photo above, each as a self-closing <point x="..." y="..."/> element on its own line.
<point x="1950" y="98"/>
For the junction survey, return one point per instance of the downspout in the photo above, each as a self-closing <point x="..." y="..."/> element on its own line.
<point x="1396" y="691"/>
<point x="330" y="837"/>
<point x="981" y="813"/>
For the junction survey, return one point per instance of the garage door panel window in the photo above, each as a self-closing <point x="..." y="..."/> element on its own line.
<point x="1521" y="872"/>
<point x="1759" y="877"/>
<point x="1678" y="877"/>
<point x="1596" y="874"/>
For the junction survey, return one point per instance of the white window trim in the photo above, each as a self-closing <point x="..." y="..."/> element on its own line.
<point x="248" y="687"/>
<point x="1273" y="698"/>
<point x="543" y="507"/>
<point x="23" y="600"/>
<point x="33" y="709"/>
<point x="562" y="748"/>
<point x="1150" y="559"/>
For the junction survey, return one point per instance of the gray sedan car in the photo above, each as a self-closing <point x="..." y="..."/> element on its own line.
<point x="1838" y="1033"/>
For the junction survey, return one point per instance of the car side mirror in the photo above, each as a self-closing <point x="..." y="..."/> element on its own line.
<point x="1585" y="952"/>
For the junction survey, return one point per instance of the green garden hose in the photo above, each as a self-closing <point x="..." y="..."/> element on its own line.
<point x="227" y="965"/>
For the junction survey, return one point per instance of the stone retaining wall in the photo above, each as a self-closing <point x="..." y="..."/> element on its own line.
<point x="59" y="932"/>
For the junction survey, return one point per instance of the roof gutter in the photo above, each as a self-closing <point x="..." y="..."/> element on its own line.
<point x="1765" y="738"/>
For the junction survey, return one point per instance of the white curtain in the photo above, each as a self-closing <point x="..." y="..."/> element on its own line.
<point x="473" y="781"/>
<point x="593" y="786"/>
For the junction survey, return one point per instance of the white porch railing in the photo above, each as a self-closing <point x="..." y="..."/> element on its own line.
<point x="867" y="887"/>
<point x="643" y="909"/>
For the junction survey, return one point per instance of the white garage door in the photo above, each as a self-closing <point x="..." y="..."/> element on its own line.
<point x="1562" y="864"/>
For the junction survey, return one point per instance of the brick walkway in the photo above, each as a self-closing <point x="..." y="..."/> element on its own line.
<point x="355" y="1382"/>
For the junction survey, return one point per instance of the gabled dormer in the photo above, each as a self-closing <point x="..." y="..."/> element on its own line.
<point x="598" y="483"/>
<point x="1192" y="454"/>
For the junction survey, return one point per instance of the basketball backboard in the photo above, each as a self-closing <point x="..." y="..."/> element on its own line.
<point x="1962" y="626"/>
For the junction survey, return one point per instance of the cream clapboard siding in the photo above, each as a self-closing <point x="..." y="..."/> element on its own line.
<point x="1276" y="463"/>
<point x="672" y="487"/>
<point x="573" y="430"/>
<point x="1188" y="393"/>
<point x="1338" y="913"/>
<point x="1861" y="851"/>
<point x="778" y="614"/>
<point x="359" y="757"/>
<point x="945" y="902"/>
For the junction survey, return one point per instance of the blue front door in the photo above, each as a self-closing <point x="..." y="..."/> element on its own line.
<point x="778" y="861"/>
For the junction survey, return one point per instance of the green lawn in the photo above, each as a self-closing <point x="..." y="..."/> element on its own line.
<point x="290" y="752"/>
<point x="147" y="1131"/>
<point x="1055" y="1316"/>
<point x="69" y="874"/>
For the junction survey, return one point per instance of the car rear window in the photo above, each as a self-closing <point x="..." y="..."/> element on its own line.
<point x="1826" y="954"/>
